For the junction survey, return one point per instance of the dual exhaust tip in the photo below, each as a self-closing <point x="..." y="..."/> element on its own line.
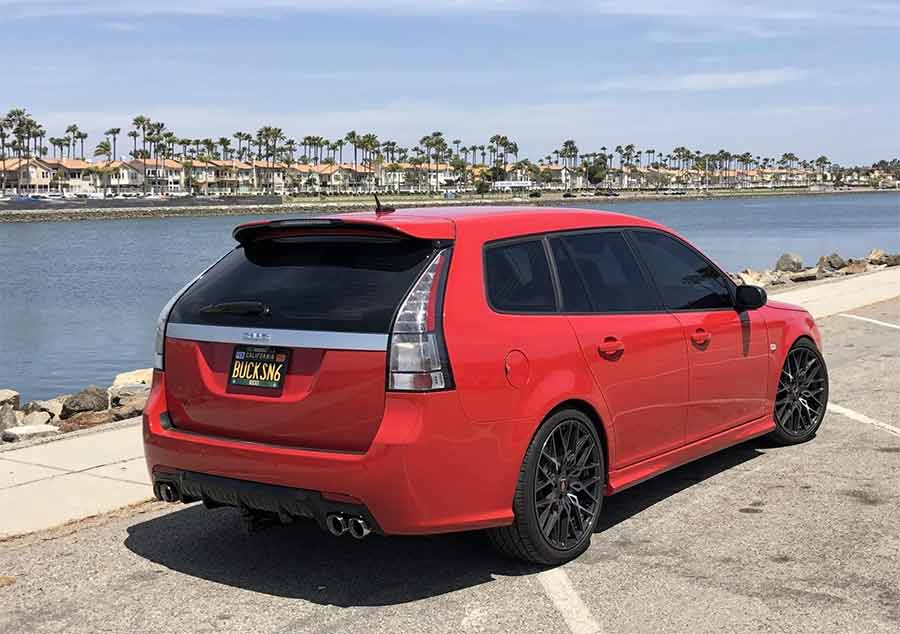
<point x="339" y="525"/>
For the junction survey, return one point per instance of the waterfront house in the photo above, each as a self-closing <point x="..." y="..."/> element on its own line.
<point x="268" y="177"/>
<point x="119" y="177"/>
<point x="26" y="176"/>
<point x="410" y="177"/>
<point x="162" y="176"/>
<point x="73" y="176"/>
<point x="229" y="177"/>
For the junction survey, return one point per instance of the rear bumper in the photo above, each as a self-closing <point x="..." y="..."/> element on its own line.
<point x="279" y="500"/>
<point x="428" y="470"/>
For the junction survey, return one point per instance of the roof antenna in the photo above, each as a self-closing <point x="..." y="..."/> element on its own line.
<point x="379" y="209"/>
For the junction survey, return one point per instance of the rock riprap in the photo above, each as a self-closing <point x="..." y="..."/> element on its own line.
<point x="9" y="397"/>
<point x="90" y="399"/>
<point x="789" y="262"/>
<point x="8" y="417"/>
<point x="28" y="432"/>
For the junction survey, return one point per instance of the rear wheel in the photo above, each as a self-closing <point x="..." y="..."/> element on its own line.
<point x="559" y="494"/>
<point x="802" y="395"/>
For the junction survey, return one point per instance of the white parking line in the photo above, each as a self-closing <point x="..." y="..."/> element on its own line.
<point x="862" y="418"/>
<point x="576" y="614"/>
<point x="870" y="320"/>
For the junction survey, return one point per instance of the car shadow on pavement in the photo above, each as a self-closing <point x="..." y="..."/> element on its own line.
<point x="618" y="508"/>
<point x="301" y="561"/>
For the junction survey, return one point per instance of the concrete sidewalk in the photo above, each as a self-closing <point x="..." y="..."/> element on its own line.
<point x="50" y="484"/>
<point x="839" y="295"/>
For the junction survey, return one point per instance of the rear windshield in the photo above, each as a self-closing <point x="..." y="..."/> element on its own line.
<point x="348" y="284"/>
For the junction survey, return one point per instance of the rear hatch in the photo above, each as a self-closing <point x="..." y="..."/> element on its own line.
<point x="285" y="340"/>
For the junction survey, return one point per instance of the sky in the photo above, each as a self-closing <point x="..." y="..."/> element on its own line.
<point x="811" y="77"/>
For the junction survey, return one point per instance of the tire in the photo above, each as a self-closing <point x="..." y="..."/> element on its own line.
<point x="576" y="488"/>
<point x="801" y="396"/>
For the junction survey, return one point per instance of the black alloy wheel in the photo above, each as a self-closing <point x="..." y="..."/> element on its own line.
<point x="567" y="485"/>
<point x="802" y="395"/>
<point x="560" y="492"/>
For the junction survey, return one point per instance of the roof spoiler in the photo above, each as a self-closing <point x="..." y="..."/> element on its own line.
<point x="248" y="231"/>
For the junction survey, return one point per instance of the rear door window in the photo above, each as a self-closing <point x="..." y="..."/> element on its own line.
<point x="598" y="272"/>
<point x="518" y="278"/>
<point x="328" y="283"/>
<point x="685" y="279"/>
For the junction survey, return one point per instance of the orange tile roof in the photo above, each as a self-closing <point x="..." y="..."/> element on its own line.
<point x="70" y="164"/>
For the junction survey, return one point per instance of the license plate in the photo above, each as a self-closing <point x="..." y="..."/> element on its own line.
<point x="255" y="366"/>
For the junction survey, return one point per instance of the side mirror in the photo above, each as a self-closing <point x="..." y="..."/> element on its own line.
<point x="750" y="297"/>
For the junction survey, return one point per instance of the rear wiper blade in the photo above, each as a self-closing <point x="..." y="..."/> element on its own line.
<point x="238" y="308"/>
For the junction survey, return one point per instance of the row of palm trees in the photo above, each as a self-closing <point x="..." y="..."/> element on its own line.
<point x="153" y="141"/>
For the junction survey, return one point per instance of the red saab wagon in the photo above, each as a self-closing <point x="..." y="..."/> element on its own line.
<point x="427" y="371"/>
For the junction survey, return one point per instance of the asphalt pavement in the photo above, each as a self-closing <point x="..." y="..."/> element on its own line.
<point x="755" y="538"/>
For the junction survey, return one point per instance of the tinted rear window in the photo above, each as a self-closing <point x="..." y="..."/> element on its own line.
<point x="518" y="278"/>
<point x="346" y="285"/>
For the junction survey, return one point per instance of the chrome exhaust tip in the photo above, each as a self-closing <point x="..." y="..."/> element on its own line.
<point x="358" y="527"/>
<point x="336" y="524"/>
<point x="168" y="492"/>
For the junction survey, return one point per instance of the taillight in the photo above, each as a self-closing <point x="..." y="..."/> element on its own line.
<point x="418" y="356"/>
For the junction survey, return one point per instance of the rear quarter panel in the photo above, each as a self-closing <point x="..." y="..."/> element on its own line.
<point x="478" y="342"/>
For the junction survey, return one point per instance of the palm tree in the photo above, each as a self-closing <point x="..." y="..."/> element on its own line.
<point x="134" y="134"/>
<point x="225" y="144"/>
<point x="104" y="149"/>
<point x="140" y="123"/>
<point x="82" y="137"/>
<point x="113" y="133"/>
<point x="353" y="139"/>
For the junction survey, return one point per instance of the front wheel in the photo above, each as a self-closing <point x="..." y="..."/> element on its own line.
<point x="802" y="395"/>
<point x="559" y="494"/>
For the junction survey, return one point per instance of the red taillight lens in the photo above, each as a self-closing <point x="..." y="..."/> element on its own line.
<point x="418" y="359"/>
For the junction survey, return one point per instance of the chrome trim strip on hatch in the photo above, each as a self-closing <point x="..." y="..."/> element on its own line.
<point x="320" y="339"/>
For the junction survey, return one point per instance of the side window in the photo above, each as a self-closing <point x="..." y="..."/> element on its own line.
<point x="518" y="278"/>
<point x="686" y="280"/>
<point x="598" y="272"/>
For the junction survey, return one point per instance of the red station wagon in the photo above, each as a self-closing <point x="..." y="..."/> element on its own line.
<point x="427" y="371"/>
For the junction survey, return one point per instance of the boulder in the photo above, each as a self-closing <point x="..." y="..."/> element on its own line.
<point x="856" y="266"/>
<point x="892" y="260"/>
<point x="8" y="417"/>
<point x="28" y="432"/>
<point x="128" y="385"/>
<point x="86" y="420"/>
<point x="877" y="256"/>
<point x="9" y="397"/>
<point x="52" y="407"/>
<point x="790" y="262"/>
<point x="129" y="408"/>
<point x="806" y="276"/>
<point x="90" y="399"/>
<point x="118" y="394"/>
<point x="831" y="262"/>
<point x="36" y="418"/>
<point x="135" y="377"/>
<point x="750" y="277"/>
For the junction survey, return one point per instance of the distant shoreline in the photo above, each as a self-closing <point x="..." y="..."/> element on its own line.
<point x="362" y="202"/>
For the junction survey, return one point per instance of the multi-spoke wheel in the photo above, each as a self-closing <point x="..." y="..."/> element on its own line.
<point x="802" y="394"/>
<point x="560" y="492"/>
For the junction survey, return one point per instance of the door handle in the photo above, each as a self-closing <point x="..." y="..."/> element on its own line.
<point x="701" y="337"/>
<point x="610" y="346"/>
